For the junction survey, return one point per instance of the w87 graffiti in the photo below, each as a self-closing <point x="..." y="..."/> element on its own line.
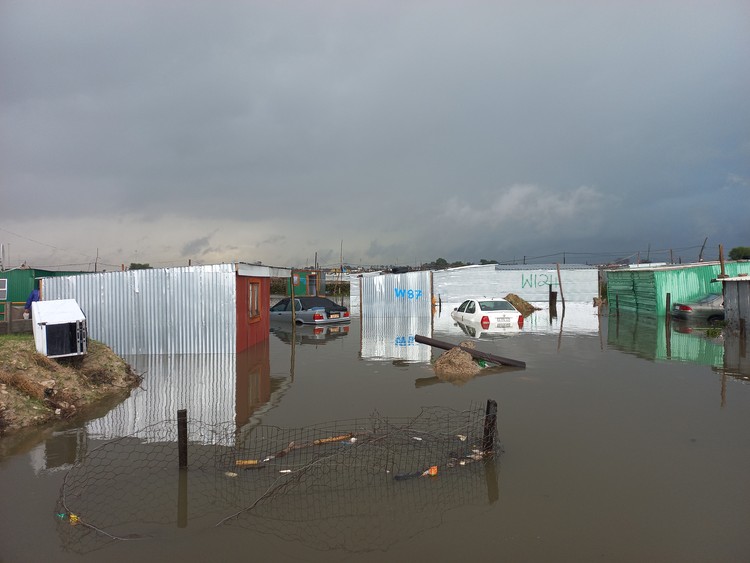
<point x="408" y="293"/>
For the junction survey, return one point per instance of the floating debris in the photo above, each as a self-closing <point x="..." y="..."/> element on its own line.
<point x="523" y="306"/>
<point x="332" y="439"/>
<point x="246" y="462"/>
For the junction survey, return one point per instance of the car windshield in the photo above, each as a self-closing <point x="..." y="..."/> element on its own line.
<point x="710" y="300"/>
<point x="496" y="306"/>
<point x="282" y="305"/>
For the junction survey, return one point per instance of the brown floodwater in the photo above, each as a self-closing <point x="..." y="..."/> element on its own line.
<point x="623" y="440"/>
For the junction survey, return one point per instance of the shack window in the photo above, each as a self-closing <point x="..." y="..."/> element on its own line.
<point x="3" y="290"/>
<point x="254" y="299"/>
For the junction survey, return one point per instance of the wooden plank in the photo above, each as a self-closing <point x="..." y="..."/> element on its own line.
<point x="475" y="353"/>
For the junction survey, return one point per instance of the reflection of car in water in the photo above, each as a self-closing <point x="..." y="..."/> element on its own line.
<point x="310" y="310"/>
<point x="709" y="308"/>
<point x="308" y="334"/>
<point x="698" y="329"/>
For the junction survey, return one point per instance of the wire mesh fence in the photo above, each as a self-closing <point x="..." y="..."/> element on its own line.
<point x="357" y="484"/>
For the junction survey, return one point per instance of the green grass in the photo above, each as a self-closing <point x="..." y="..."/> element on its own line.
<point x="17" y="336"/>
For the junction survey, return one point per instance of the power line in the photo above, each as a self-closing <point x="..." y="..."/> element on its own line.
<point x="40" y="243"/>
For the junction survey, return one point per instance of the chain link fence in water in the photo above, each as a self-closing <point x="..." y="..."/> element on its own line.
<point x="358" y="485"/>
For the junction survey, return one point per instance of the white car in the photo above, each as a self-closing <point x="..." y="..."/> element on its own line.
<point x="488" y="313"/>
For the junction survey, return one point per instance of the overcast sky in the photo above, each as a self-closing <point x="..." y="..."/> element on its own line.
<point x="397" y="132"/>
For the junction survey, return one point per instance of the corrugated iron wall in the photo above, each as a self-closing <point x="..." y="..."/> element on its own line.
<point x="355" y="282"/>
<point x="645" y="290"/>
<point x="532" y="282"/>
<point x="737" y="303"/>
<point x="186" y="310"/>
<point x="397" y="295"/>
<point x="395" y="308"/>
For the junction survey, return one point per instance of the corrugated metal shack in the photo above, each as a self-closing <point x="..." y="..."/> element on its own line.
<point x="532" y="282"/>
<point x="15" y="287"/>
<point x="394" y="308"/>
<point x="210" y="309"/>
<point x="355" y="303"/>
<point x="645" y="290"/>
<point x="306" y="282"/>
<point x="737" y="303"/>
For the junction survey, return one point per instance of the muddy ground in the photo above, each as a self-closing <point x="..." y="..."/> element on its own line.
<point x="36" y="390"/>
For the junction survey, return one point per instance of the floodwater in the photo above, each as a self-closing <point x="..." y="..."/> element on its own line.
<point x="623" y="440"/>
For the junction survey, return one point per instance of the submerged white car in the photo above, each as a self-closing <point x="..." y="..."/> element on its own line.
<point x="488" y="313"/>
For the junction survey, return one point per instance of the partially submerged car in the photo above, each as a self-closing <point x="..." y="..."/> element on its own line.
<point x="488" y="313"/>
<point x="709" y="308"/>
<point x="310" y="310"/>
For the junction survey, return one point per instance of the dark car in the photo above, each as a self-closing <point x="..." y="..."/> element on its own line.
<point x="310" y="310"/>
<point x="709" y="308"/>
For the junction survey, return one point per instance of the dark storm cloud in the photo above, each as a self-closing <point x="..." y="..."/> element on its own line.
<point x="197" y="246"/>
<point x="436" y="129"/>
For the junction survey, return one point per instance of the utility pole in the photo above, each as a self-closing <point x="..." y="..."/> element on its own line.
<point x="700" y="256"/>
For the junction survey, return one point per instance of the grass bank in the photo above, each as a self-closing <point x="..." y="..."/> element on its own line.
<point x="37" y="390"/>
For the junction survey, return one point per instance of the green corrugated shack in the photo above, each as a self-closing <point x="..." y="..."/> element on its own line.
<point x="645" y="290"/>
<point x="306" y="282"/>
<point x="17" y="284"/>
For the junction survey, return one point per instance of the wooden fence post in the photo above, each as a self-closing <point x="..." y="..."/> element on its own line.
<point x="490" y="427"/>
<point x="182" y="437"/>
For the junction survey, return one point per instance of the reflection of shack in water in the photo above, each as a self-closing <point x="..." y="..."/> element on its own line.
<point x="736" y="362"/>
<point x="656" y="339"/>
<point x="653" y="338"/>
<point x="736" y="359"/>
<point x="358" y="485"/>
<point x="385" y="338"/>
<point x="213" y="388"/>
